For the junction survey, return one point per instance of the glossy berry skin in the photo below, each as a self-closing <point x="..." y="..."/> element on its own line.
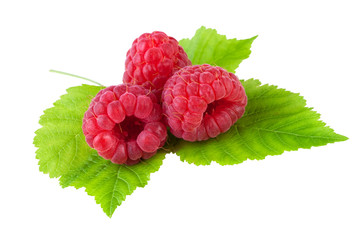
<point x="124" y="124"/>
<point x="152" y="59"/>
<point x="202" y="101"/>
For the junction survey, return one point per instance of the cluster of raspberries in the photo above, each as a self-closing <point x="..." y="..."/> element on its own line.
<point x="128" y="122"/>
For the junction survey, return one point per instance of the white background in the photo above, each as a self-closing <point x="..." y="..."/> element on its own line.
<point x="311" y="47"/>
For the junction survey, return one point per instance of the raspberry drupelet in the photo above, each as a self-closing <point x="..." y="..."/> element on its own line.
<point x="152" y="59"/>
<point x="202" y="101"/>
<point x="123" y="123"/>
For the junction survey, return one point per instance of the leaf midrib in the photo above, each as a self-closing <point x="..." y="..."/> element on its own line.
<point x="296" y="134"/>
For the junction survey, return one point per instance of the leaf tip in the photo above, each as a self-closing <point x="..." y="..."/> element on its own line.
<point x="253" y="38"/>
<point x="342" y="138"/>
<point x="108" y="213"/>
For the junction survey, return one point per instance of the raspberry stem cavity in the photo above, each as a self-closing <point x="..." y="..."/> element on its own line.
<point x="202" y="101"/>
<point x="124" y="124"/>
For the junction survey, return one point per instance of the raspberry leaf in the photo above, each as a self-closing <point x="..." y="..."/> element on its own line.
<point x="109" y="183"/>
<point x="63" y="152"/>
<point x="207" y="46"/>
<point x="61" y="143"/>
<point x="275" y="121"/>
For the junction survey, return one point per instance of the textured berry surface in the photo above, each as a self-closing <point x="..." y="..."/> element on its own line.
<point x="123" y="123"/>
<point x="152" y="59"/>
<point x="202" y="101"/>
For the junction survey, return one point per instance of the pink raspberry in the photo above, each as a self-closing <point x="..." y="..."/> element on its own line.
<point x="152" y="59"/>
<point x="123" y="123"/>
<point x="202" y="101"/>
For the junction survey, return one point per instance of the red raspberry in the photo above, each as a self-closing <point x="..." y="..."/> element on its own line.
<point x="152" y="59"/>
<point x="123" y="123"/>
<point x="202" y="101"/>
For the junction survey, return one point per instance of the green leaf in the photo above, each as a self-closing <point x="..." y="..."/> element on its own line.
<point x="63" y="152"/>
<point x="207" y="46"/>
<point x="111" y="183"/>
<point x="275" y="121"/>
<point x="61" y="142"/>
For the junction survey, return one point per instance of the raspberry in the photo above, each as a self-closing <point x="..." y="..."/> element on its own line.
<point x="123" y="123"/>
<point x="152" y="59"/>
<point x="202" y="101"/>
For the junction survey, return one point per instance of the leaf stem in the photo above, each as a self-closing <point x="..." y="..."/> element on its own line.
<point x="73" y="75"/>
